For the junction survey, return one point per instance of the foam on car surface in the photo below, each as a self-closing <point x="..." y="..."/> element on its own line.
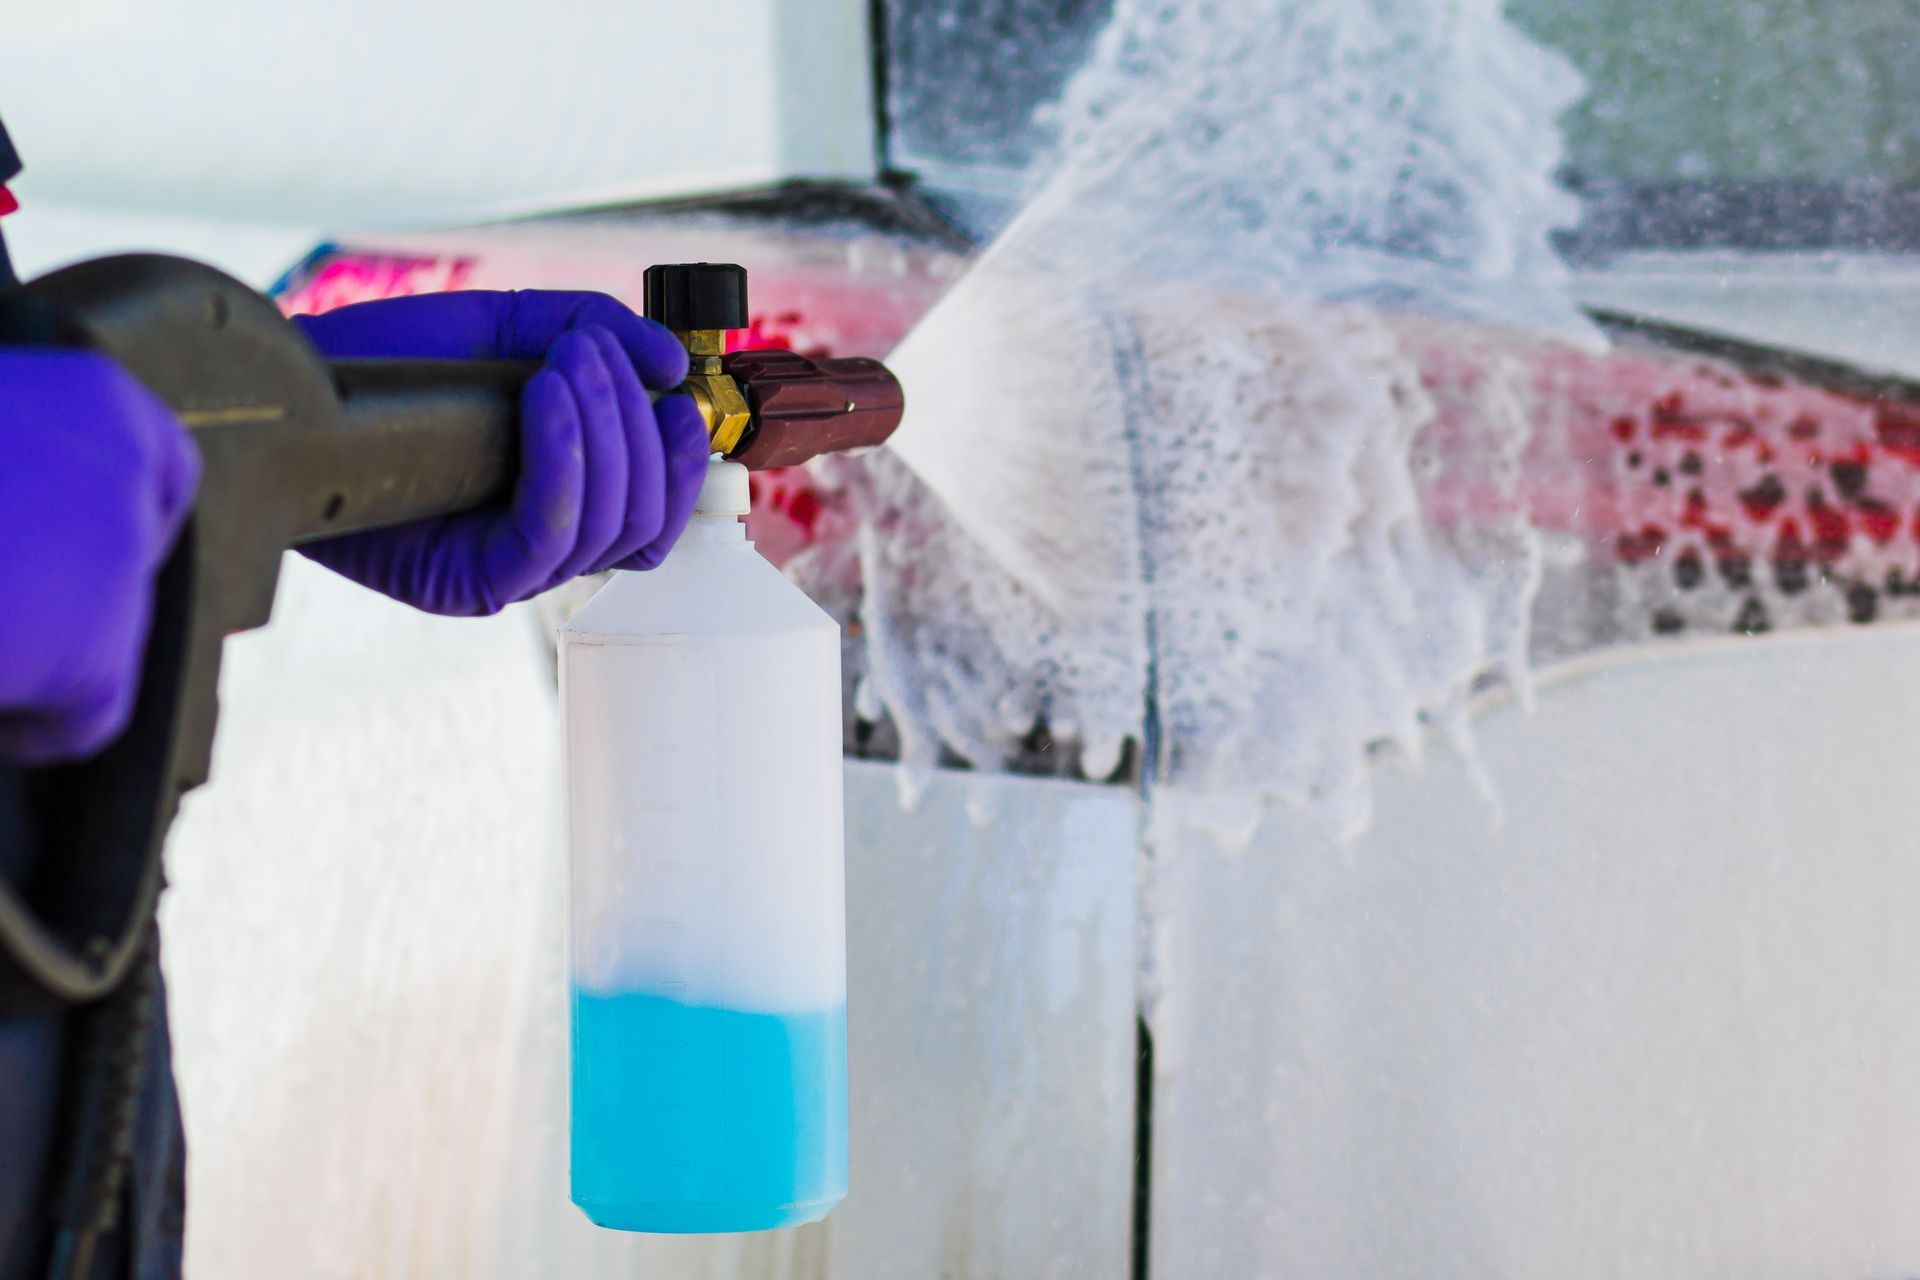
<point x="1161" y="476"/>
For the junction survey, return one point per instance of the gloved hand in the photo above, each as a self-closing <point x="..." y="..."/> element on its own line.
<point x="96" y="478"/>
<point x="607" y="480"/>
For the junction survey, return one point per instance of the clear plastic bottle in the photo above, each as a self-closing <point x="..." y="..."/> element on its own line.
<point x="702" y="714"/>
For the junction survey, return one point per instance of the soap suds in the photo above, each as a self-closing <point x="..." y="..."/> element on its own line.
<point x="1162" y="476"/>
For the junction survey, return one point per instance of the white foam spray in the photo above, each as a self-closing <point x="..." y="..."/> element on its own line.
<point x="1166" y="447"/>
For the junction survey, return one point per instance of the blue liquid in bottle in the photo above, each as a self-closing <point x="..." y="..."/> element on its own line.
<point x="696" y="1119"/>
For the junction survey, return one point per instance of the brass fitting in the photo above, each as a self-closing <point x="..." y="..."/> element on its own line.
<point x="722" y="405"/>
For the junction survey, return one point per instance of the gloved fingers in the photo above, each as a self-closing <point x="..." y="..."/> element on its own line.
<point x="534" y="318"/>
<point x="95" y="475"/>
<point x="540" y="528"/>
<point x="646" y="456"/>
<point x="589" y="470"/>
<point x="493" y="325"/>
<point x="581" y="357"/>
<point x="463" y="325"/>
<point x="684" y="440"/>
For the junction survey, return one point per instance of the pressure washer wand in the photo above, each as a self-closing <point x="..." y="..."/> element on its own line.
<point x="293" y="449"/>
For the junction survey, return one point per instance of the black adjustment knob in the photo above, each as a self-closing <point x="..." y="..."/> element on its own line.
<point x="697" y="295"/>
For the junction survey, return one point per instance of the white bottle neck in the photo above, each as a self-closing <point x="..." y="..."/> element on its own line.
<point x="721" y="530"/>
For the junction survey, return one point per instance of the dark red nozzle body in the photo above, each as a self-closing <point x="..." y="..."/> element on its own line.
<point x="803" y="408"/>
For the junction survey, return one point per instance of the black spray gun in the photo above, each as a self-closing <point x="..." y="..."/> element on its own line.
<point x="294" y="448"/>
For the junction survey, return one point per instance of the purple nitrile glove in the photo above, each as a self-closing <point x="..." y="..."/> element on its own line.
<point x="96" y="478"/>
<point x="607" y="479"/>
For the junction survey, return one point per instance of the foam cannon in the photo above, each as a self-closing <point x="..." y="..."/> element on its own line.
<point x="294" y="448"/>
<point x="767" y="409"/>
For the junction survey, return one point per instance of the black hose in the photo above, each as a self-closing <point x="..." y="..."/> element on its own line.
<point x="108" y="1056"/>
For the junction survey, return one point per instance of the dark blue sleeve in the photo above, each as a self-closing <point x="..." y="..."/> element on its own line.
<point x="147" y="1245"/>
<point x="32" y="1052"/>
<point x="9" y="170"/>
<point x="9" y="158"/>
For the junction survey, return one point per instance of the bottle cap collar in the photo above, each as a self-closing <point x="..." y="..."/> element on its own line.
<point x="725" y="491"/>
